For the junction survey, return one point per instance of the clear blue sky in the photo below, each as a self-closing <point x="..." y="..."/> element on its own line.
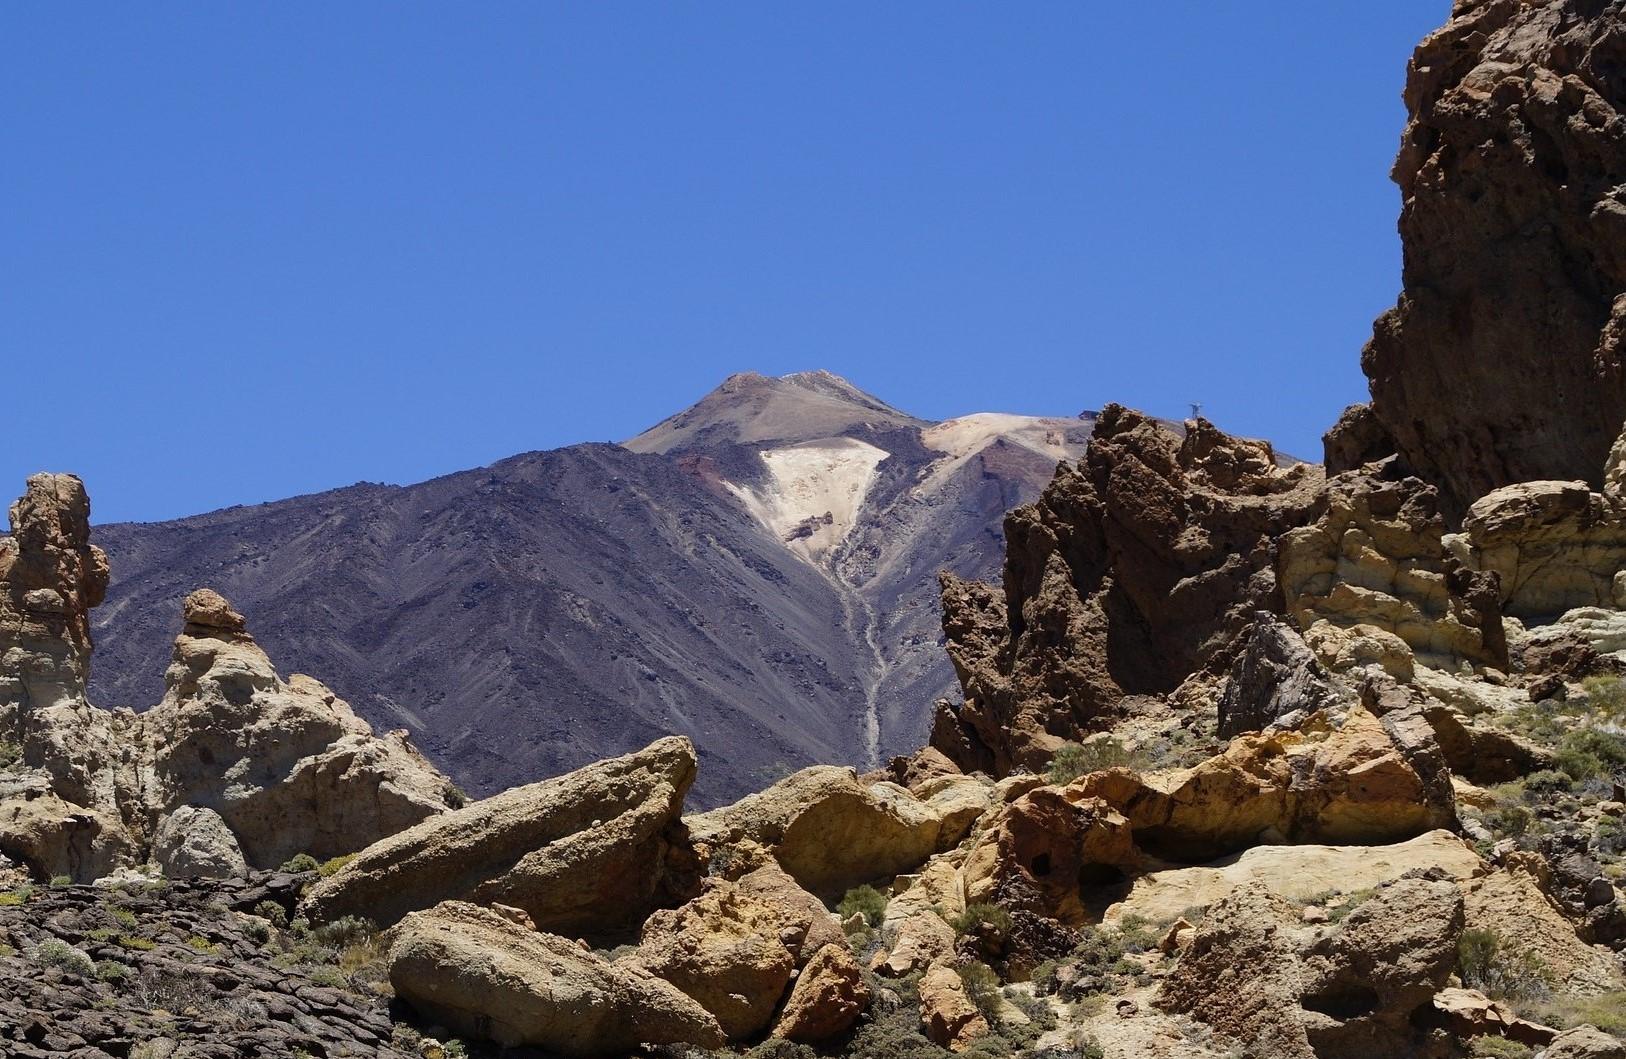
<point x="254" y="250"/>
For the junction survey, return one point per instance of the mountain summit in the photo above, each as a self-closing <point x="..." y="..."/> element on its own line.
<point x="757" y="572"/>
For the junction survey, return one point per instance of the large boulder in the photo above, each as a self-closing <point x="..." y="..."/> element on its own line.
<point x="1502" y="361"/>
<point x="829" y="996"/>
<point x="484" y="976"/>
<point x="730" y="951"/>
<point x="1368" y="780"/>
<point x="1254" y="972"/>
<point x="287" y="764"/>
<point x="195" y="842"/>
<point x="1275" y="676"/>
<point x="1554" y="547"/>
<point x="1039" y="852"/>
<point x="591" y="851"/>
<point x="832" y="831"/>
<point x="947" y="1014"/>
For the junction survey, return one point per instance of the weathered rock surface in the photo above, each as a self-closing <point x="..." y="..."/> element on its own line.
<point x="172" y="970"/>
<point x="1370" y="780"/>
<point x="1502" y="361"/>
<point x="1295" y="873"/>
<point x="193" y="842"/>
<point x="949" y="1017"/>
<point x="587" y="852"/>
<point x="829" y="996"/>
<point x="730" y="951"/>
<point x="1134" y="569"/>
<point x="1275" y="675"/>
<point x="1585" y="1042"/>
<point x="1554" y="546"/>
<point x="831" y="831"/>
<point x="1040" y="851"/>
<point x="287" y="765"/>
<point x="487" y="977"/>
<point x="1254" y="972"/>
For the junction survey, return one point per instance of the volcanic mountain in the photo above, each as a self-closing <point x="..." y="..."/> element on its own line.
<point x="758" y="572"/>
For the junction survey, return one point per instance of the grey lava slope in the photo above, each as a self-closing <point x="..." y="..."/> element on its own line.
<point x="757" y="572"/>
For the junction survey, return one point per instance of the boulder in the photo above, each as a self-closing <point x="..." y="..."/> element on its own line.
<point x="196" y="842"/>
<point x="483" y="976"/>
<point x="818" y="926"/>
<point x="591" y="851"/>
<point x="1039" y="852"/>
<point x="1553" y="546"/>
<point x="1502" y="360"/>
<point x="730" y="951"/>
<point x="1513" y="903"/>
<point x="947" y="1014"/>
<point x="1254" y="972"/>
<point x="829" y="996"/>
<point x="831" y="831"/>
<point x="1369" y="780"/>
<point x="1469" y="1013"/>
<point x="1295" y="873"/>
<point x="1585" y="1042"/>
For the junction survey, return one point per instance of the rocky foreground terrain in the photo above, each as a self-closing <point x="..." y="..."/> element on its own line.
<point x="1250" y="758"/>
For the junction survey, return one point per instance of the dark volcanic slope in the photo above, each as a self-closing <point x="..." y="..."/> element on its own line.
<point x="557" y="607"/>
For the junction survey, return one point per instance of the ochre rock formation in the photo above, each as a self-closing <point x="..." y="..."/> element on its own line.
<point x="588" y="852"/>
<point x="1502" y="361"/>
<point x="482" y="975"/>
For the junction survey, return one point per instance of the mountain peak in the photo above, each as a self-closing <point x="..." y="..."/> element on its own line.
<point x="751" y="407"/>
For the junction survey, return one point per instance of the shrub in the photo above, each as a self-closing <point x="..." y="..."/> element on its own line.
<point x="122" y="916"/>
<point x="55" y="953"/>
<point x="1611" y="836"/>
<point x="1487" y="1046"/>
<point x="330" y="867"/>
<point x="58" y="881"/>
<point x="1589" y="752"/>
<point x="1606" y="697"/>
<point x="129" y="941"/>
<point x="1080" y="759"/>
<point x="1135" y="933"/>
<point x="201" y="944"/>
<point x="301" y="862"/>
<point x="1607" y="1011"/>
<point x="1488" y="965"/>
<point x="19" y="896"/>
<point x="779" y="1048"/>
<point x="455" y="798"/>
<point x="994" y="917"/>
<point x="864" y="900"/>
<point x="10" y="754"/>
<point x="347" y="930"/>
<point x="1510" y="821"/>
<point x="112" y="971"/>
<point x="1552" y="781"/>
<point x="274" y="912"/>
<point x="982" y="987"/>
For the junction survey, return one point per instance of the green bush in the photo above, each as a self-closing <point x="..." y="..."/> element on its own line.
<point x="10" y="754"/>
<point x="864" y="900"/>
<point x="1552" y="781"/>
<point x="1488" y="1046"/>
<point x="982" y="987"/>
<point x="54" y="953"/>
<point x="19" y="896"/>
<point x="1073" y="760"/>
<point x="274" y="912"/>
<point x="1486" y="964"/>
<point x="779" y="1048"/>
<point x="978" y="915"/>
<point x="301" y="862"/>
<point x="112" y="971"/>
<point x="1590" y="752"/>
<point x="331" y="867"/>
<point x="58" y="881"/>
<point x="1606" y="697"/>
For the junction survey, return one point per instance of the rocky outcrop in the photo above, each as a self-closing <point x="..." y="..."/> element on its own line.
<point x="1502" y="361"/>
<point x="287" y="765"/>
<point x="730" y="951"/>
<point x="1039" y="852"/>
<point x="484" y="976"/>
<point x="50" y="578"/>
<point x="1554" y="547"/>
<point x="1377" y="557"/>
<point x="1135" y="568"/>
<point x="1254" y="972"/>
<point x="1369" y="780"/>
<point x="588" y="852"/>
<point x="1275" y="676"/>
<point x="831" y="831"/>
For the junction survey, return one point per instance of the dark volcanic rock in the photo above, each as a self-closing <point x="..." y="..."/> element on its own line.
<point x="1135" y="569"/>
<point x="1502" y="361"/>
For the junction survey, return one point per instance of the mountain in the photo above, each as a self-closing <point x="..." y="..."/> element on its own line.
<point x="757" y="572"/>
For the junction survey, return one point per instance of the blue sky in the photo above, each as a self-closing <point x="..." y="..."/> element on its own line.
<point x="254" y="250"/>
